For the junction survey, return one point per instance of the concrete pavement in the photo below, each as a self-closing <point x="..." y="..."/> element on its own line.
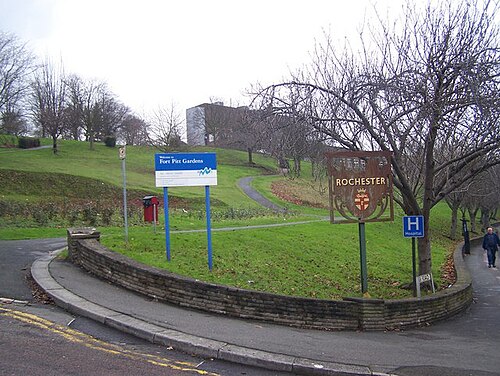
<point x="466" y="345"/>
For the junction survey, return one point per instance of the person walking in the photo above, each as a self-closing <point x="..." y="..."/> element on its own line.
<point x="490" y="245"/>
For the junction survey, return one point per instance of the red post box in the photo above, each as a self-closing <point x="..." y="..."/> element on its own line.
<point x="150" y="208"/>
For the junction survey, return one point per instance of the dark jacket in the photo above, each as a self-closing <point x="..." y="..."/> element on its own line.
<point x="491" y="241"/>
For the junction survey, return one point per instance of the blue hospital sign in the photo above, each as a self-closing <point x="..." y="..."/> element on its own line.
<point x="413" y="226"/>
<point x="185" y="169"/>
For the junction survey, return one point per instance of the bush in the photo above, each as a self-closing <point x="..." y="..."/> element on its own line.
<point x="10" y="208"/>
<point x="90" y="213"/>
<point x="107" y="215"/>
<point x="40" y="216"/>
<point x="8" y="141"/>
<point x="28" y="142"/>
<point x="110" y="141"/>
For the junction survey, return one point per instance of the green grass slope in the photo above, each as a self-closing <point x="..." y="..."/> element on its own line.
<point x="76" y="159"/>
<point x="41" y="194"/>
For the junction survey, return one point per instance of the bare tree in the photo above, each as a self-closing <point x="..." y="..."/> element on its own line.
<point x="74" y="107"/>
<point x="111" y="114"/>
<point x="48" y="101"/>
<point x="418" y="87"/>
<point x="481" y="197"/>
<point x="454" y="201"/>
<point x="16" y="66"/>
<point x="286" y="139"/>
<point x="134" y="131"/>
<point x="86" y="101"/>
<point x="165" y="128"/>
<point x="13" y="122"/>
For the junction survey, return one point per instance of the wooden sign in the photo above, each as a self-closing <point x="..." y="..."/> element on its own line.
<point x="360" y="184"/>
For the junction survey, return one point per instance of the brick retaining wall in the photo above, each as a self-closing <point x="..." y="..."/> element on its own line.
<point x="347" y="314"/>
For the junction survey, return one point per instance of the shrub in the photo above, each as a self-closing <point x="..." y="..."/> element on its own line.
<point x="28" y="142"/>
<point x="110" y="141"/>
<point x="90" y="214"/>
<point x="40" y="216"/>
<point x="7" y="208"/>
<point x="8" y="141"/>
<point x="107" y="215"/>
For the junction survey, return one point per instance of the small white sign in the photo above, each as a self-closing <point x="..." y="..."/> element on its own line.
<point x="424" y="278"/>
<point x="121" y="152"/>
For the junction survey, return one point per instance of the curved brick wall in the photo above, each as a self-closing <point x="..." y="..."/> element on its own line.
<point x="347" y="314"/>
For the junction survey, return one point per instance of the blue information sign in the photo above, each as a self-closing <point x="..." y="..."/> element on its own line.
<point x="185" y="169"/>
<point x="413" y="226"/>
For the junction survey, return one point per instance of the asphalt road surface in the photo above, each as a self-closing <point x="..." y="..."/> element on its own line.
<point x="41" y="339"/>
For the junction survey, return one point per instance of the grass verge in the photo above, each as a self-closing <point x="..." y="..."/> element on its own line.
<point x="317" y="260"/>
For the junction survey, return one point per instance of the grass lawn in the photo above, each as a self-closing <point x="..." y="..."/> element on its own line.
<point x="317" y="259"/>
<point x="102" y="163"/>
<point x="314" y="259"/>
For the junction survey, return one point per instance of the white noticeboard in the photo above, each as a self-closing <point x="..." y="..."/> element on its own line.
<point x="185" y="169"/>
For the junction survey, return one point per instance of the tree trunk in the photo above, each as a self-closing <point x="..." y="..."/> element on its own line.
<point x="424" y="244"/>
<point x="250" y="159"/>
<point x="54" y="144"/>
<point x="296" y="162"/>
<point x="472" y="216"/>
<point x="454" y="220"/>
<point x="485" y="219"/>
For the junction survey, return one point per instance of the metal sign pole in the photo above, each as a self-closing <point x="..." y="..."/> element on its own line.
<point x="167" y="223"/>
<point x="122" y="155"/>
<point x="362" y="253"/>
<point x="414" y="266"/>
<point x="209" y="226"/>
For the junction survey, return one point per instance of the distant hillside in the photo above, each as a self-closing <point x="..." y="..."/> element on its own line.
<point x="78" y="172"/>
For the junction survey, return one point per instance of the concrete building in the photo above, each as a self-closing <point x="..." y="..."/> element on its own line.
<point x="195" y="125"/>
<point x="212" y="123"/>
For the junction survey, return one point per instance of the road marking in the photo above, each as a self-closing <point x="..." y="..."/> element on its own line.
<point x="12" y="301"/>
<point x="95" y="344"/>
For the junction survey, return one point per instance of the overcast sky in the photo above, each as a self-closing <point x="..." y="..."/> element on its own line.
<point x="158" y="52"/>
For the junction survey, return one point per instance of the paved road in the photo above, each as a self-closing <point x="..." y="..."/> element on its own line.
<point x="16" y="258"/>
<point x="466" y="345"/>
<point x="43" y="339"/>
<point x="31" y="345"/>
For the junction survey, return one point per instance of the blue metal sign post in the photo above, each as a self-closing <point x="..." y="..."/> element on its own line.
<point x="167" y="222"/>
<point x="209" y="226"/>
<point x="413" y="227"/>
<point x="186" y="170"/>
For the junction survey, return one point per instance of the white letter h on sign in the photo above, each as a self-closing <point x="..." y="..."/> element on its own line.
<point x="411" y="223"/>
